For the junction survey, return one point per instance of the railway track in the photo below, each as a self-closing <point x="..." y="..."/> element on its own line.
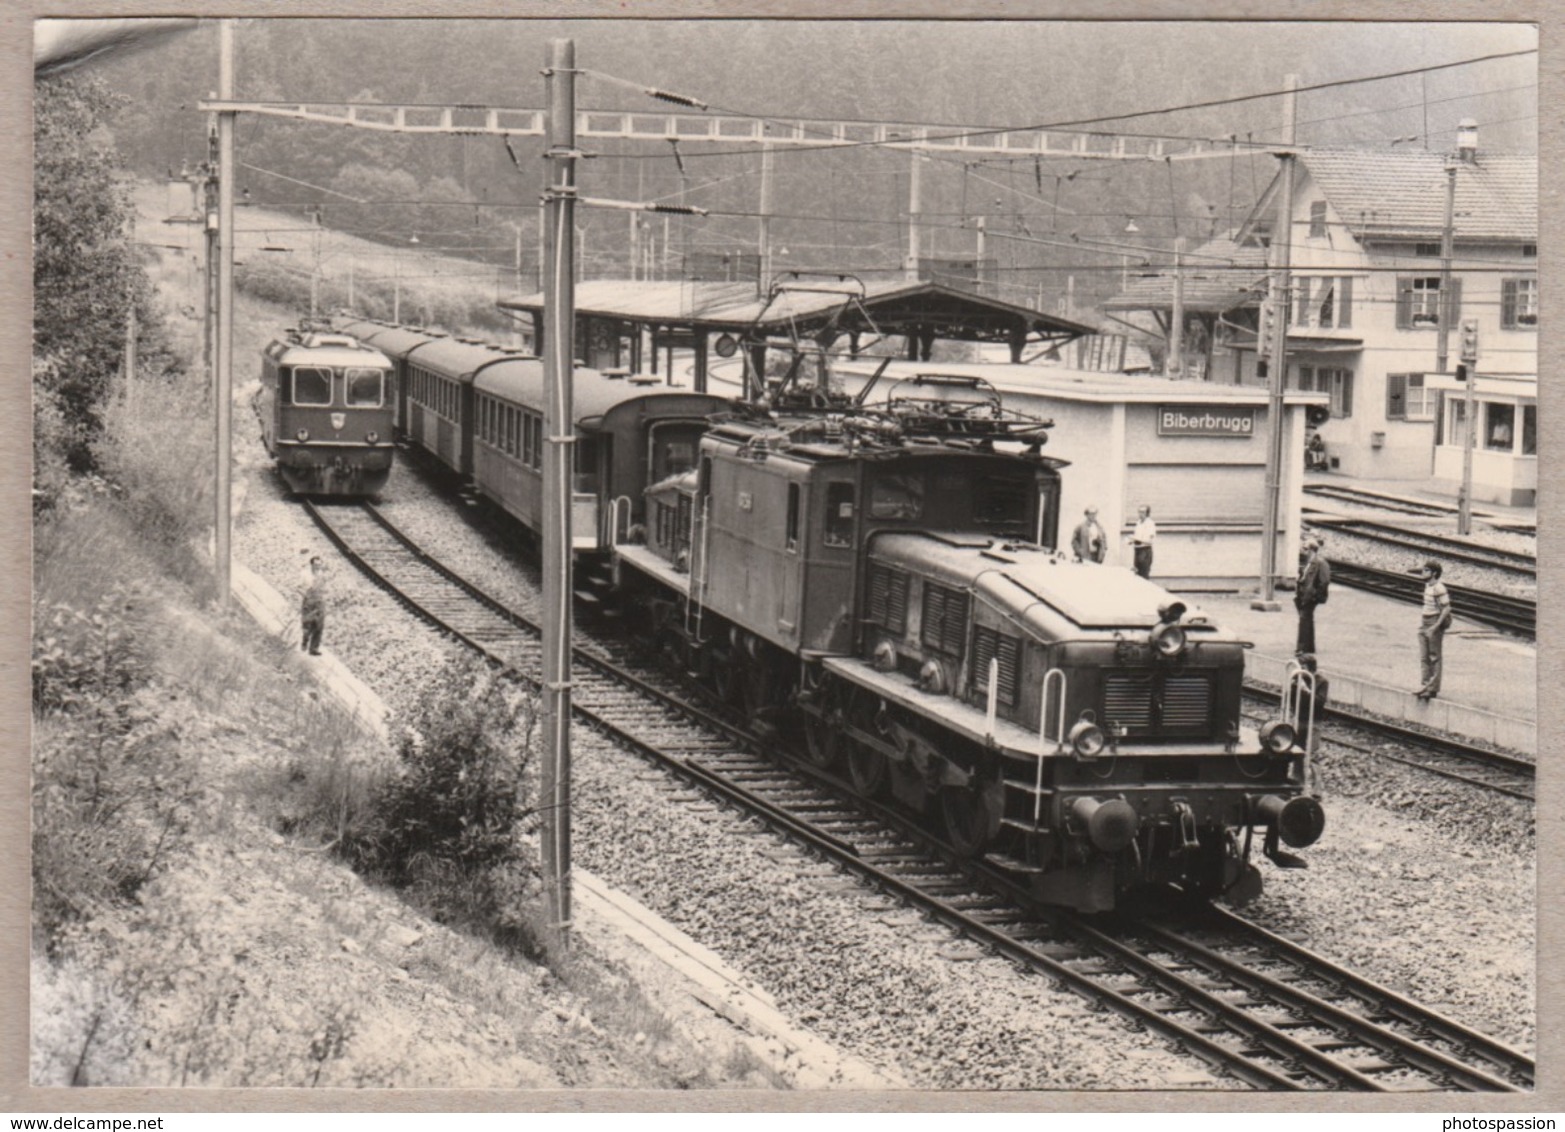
<point x="1224" y="1001"/>
<point x="1361" y="498"/>
<point x="1497" y="771"/>
<point x="1450" y="549"/>
<point x="1513" y="614"/>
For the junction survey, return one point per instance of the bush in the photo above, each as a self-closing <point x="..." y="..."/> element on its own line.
<point x="461" y="794"/>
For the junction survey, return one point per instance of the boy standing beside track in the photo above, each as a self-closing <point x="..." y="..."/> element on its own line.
<point x="312" y="606"/>
<point x="1431" y="629"/>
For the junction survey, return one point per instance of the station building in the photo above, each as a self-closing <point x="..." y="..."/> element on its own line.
<point x="1370" y="303"/>
<point x="1194" y="451"/>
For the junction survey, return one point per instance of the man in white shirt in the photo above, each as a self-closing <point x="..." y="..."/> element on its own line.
<point x="1432" y="625"/>
<point x="1141" y="540"/>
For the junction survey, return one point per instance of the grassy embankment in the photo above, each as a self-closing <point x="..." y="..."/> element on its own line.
<point x="190" y="789"/>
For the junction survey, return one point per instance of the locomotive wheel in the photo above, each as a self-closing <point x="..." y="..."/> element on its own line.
<point x="967" y="819"/>
<point x="823" y="739"/>
<point x="868" y="770"/>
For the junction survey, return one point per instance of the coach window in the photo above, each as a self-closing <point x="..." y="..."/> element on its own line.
<point x="311" y="385"/>
<point x="364" y="386"/>
<point x="793" y="517"/>
<point x="588" y="449"/>
<point x="839" y="514"/>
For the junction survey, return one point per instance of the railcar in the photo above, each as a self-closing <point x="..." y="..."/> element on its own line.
<point x="398" y="343"/>
<point x="325" y="408"/>
<point x="881" y="587"/>
<point x="630" y="432"/>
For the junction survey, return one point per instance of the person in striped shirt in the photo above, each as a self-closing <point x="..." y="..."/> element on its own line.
<point x="1431" y="629"/>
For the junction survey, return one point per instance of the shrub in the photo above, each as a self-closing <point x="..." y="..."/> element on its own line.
<point x="460" y="796"/>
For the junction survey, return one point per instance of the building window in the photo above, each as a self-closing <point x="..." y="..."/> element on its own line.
<point x="1336" y="382"/>
<point x="1529" y="430"/>
<point x="1499" y="432"/>
<point x="1326" y="302"/>
<point x="1426" y="251"/>
<point x="1456" y="430"/>
<point x="1519" y="304"/>
<point x="1317" y="219"/>
<point x="1529" y="251"/>
<point x="1407" y="398"/>
<point x="1419" y="305"/>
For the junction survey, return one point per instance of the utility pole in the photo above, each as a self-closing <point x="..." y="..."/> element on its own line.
<point x="1468" y="373"/>
<point x="130" y="352"/>
<point x="1446" y="309"/>
<point x="914" y="207"/>
<point x="209" y="253"/>
<point x="559" y="444"/>
<point x="315" y="264"/>
<point x="224" y="398"/>
<point x="1277" y="382"/>
<point x="764" y="235"/>
<point x="1176" y="329"/>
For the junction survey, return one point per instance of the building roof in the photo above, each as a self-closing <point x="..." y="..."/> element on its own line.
<point x="1217" y="277"/>
<point x="893" y="306"/>
<point x="1394" y="194"/>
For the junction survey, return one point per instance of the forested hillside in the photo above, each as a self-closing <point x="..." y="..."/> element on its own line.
<point x="842" y="210"/>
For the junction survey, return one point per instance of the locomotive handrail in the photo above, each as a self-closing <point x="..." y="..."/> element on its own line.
<point x="994" y="699"/>
<point x="614" y="518"/>
<point x="1043" y="735"/>
<point x="1297" y="680"/>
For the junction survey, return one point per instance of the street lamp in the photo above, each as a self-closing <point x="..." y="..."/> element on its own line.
<point x="1124" y="260"/>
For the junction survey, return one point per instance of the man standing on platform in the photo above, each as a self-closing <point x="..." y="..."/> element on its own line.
<point x="1431" y="629"/>
<point x="1141" y="540"/>
<point x="1089" y="543"/>
<point x="1311" y="590"/>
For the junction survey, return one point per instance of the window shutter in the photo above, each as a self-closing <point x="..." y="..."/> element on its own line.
<point x="1306" y="379"/>
<point x="1302" y="318"/>
<point x="1345" y="302"/>
<point x="1451" y="309"/>
<point x="1347" y="392"/>
<point x="1508" y="304"/>
<point x="1396" y="396"/>
<point x="1404" y="302"/>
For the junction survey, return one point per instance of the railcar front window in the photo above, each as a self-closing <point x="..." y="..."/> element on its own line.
<point x="365" y="387"/>
<point x="1001" y="504"/>
<point x="897" y="496"/>
<point x="311" y="385"/>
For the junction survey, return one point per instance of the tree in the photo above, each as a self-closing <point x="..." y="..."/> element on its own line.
<point x="85" y="274"/>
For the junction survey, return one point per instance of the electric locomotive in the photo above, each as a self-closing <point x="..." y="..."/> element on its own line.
<point x="325" y="407"/>
<point x="879" y="586"/>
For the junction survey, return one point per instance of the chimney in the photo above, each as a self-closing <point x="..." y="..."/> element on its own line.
<point x="1467" y="141"/>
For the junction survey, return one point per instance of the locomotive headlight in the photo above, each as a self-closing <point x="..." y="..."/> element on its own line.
<point x="1278" y="735"/>
<point x="372" y="436"/>
<point x="303" y="434"/>
<point x="1087" y="739"/>
<point x="1168" y="640"/>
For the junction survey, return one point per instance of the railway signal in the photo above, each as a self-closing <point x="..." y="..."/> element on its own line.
<point x="1466" y="373"/>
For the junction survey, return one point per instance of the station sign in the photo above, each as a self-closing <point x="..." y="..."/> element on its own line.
<point x="1230" y="421"/>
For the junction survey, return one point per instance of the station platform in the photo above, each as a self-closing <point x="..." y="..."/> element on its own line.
<point x="1367" y="646"/>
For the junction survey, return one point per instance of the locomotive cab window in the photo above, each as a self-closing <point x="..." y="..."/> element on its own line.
<point x="365" y="386"/>
<point x="311" y="385"/>
<point x="897" y="496"/>
<point x="839" y="514"/>
<point x="1001" y="504"/>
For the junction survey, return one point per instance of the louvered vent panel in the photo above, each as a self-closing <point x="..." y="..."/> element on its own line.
<point x="945" y="618"/>
<point x="987" y="645"/>
<point x="1187" y="703"/>
<point x="1127" y="702"/>
<point x="896" y="602"/>
<point x="879" y="587"/>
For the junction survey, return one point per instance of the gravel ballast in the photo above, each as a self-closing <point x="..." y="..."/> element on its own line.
<point x="1395" y="890"/>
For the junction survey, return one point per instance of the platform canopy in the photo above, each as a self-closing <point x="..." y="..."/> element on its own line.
<point x="919" y="311"/>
